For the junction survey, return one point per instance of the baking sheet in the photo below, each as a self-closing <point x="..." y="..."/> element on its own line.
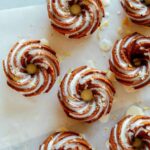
<point x="24" y="119"/>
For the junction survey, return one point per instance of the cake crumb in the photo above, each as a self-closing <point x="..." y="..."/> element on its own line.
<point x="63" y="55"/>
<point x="114" y="117"/>
<point x="106" y="2"/>
<point x="107" y="14"/>
<point x="120" y="30"/>
<point x="126" y="21"/>
<point x="129" y="89"/>
<point x="104" y="24"/>
<point x="134" y="110"/>
<point x="69" y="70"/>
<point x="59" y="80"/>
<point x="105" y="118"/>
<point x="107" y="144"/>
<point x="110" y="75"/>
<point x="106" y="129"/>
<point x="105" y="45"/>
<point x="146" y="108"/>
<point x="62" y="129"/>
<point x="45" y="42"/>
<point x="60" y="58"/>
<point x="91" y="63"/>
<point x="128" y="31"/>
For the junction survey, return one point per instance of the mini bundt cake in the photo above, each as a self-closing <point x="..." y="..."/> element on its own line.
<point x="67" y="140"/>
<point x="131" y="133"/>
<point x="130" y="61"/>
<point x="86" y="94"/>
<point x="75" y="18"/>
<point x="31" y="67"/>
<point x="138" y="11"/>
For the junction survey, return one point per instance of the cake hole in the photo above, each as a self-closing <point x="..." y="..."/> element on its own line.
<point x="75" y="9"/>
<point x="138" y="60"/>
<point x="137" y="144"/>
<point x="87" y="95"/>
<point x="146" y="2"/>
<point x="31" y="69"/>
